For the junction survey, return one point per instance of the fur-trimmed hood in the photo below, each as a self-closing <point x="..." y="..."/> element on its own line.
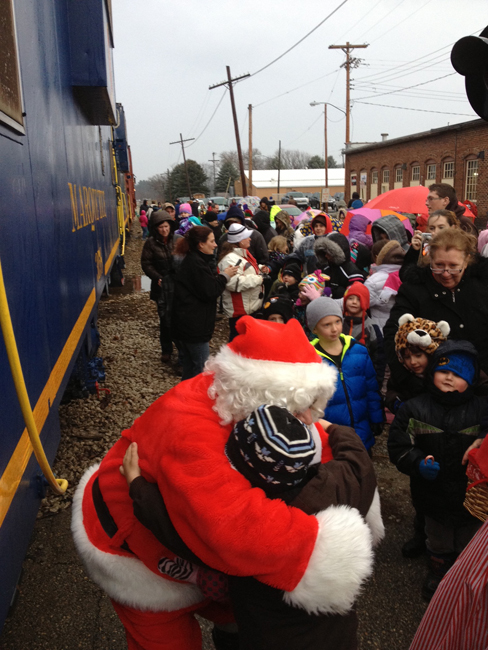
<point x="333" y="249"/>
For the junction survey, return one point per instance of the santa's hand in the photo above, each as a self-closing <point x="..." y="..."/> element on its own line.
<point x="130" y="465"/>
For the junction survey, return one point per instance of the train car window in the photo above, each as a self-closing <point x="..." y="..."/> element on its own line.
<point x="10" y="90"/>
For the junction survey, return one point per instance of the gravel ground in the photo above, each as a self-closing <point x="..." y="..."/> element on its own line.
<point x="389" y="609"/>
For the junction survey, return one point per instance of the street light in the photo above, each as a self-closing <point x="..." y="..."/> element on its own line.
<point x="325" y="137"/>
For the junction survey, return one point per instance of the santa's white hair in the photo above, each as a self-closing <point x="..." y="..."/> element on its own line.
<point x="241" y="385"/>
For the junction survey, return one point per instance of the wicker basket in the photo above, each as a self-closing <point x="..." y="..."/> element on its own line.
<point x="476" y="500"/>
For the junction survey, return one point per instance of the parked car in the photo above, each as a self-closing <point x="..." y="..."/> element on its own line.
<point x="220" y="201"/>
<point x="300" y="198"/>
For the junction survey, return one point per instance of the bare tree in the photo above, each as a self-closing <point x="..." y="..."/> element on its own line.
<point x="159" y="184"/>
<point x="290" y="159"/>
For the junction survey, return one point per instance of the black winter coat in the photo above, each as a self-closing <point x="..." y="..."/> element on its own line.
<point x="424" y="426"/>
<point x="465" y="309"/>
<point x="197" y="288"/>
<point x="442" y="425"/>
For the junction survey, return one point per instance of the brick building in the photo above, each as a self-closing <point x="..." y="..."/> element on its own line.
<point x="453" y="154"/>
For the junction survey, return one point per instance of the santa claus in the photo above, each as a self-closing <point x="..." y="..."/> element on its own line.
<point x="319" y="561"/>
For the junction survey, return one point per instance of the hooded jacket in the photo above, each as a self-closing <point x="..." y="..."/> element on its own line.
<point x="334" y="259"/>
<point x="283" y="227"/>
<point x="357" y="230"/>
<point x="262" y="221"/>
<point x="393" y="228"/>
<point x="356" y="402"/>
<point x="157" y="256"/>
<point x="443" y="425"/>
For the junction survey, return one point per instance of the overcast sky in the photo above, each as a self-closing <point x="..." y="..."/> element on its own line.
<point x="168" y="53"/>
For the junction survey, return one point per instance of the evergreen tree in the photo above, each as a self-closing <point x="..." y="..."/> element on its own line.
<point x="317" y="162"/>
<point x="227" y="170"/>
<point x="196" y="175"/>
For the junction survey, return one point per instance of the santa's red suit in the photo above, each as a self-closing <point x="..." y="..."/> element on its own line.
<point x="320" y="561"/>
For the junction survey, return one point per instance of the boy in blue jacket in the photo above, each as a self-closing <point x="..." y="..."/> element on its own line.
<point x="357" y="401"/>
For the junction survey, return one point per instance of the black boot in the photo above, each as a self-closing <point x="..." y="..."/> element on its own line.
<point x="225" y="640"/>
<point x="438" y="566"/>
<point x="415" y="547"/>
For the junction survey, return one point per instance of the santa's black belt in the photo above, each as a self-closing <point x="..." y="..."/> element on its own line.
<point x="103" y="513"/>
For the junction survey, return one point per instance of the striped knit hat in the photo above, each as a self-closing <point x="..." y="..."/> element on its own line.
<point x="271" y="448"/>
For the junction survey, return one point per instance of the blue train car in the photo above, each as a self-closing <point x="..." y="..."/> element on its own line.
<point x="62" y="212"/>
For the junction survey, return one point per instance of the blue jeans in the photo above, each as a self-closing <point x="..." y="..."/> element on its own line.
<point x="193" y="357"/>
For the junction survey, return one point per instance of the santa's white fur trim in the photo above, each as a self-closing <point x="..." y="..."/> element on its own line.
<point x="241" y="385"/>
<point x="374" y="520"/>
<point x="125" y="579"/>
<point x="341" y="560"/>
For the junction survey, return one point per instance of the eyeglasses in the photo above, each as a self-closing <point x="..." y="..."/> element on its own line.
<point x="450" y="271"/>
<point x="433" y="198"/>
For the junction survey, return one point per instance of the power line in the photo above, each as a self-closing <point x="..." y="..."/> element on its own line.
<point x="211" y="118"/>
<point x="380" y="20"/>
<point x="368" y="85"/>
<point x="402" y="21"/>
<point x="409" y="63"/>
<point x="306" y="131"/>
<point x="301" y="40"/>
<point x="422" y="110"/>
<point x="392" y="76"/>
<point x="349" y="29"/>
<point x="297" y="88"/>
<point x="392" y="92"/>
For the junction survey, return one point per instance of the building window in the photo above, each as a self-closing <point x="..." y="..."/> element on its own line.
<point x="398" y="175"/>
<point x="416" y="173"/>
<point x="386" y="176"/>
<point x="448" y="169"/>
<point x="431" y="172"/>
<point x="374" y="177"/>
<point x="10" y="88"/>
<point x="471" y="179"/>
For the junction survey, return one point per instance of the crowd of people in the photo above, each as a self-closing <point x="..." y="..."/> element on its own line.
<point x="330" y="337"/>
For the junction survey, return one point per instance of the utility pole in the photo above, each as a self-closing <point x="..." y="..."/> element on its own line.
<point x="213" y="161"/>
<point x="350" y="62"/>
<point x="229" y="83"/>
<point x="325" y="156"/>
<point x="279" y="169"/>
<point x="181" y="141"/>
<point x="250" y="146"/>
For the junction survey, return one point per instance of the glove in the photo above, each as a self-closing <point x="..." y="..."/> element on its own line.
<point x="429" y="468"/>
<point x="396" y="404"/>
<point x="311" y="292"/>
<point x="377" y="428"/>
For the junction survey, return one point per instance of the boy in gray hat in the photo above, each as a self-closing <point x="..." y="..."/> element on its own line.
<point x="357" y="401"/>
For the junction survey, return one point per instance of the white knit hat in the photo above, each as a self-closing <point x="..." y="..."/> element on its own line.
<point x="237" y="232"/>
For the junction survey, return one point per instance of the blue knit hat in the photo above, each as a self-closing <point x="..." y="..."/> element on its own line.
<point x="460" y="363"/>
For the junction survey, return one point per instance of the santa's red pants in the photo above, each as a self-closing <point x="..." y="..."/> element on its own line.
<point x="167" y="630"/>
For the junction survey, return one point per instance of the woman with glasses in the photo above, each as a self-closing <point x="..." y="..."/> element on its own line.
<point x="453" y="287"/>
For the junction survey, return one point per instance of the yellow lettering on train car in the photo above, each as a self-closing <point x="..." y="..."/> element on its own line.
<point x="87" y="206"/>
<point x="99" y="263"/>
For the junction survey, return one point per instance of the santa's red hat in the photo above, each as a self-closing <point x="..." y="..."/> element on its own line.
<point x="270" y="341"/>
<point x="269" y="363"/>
